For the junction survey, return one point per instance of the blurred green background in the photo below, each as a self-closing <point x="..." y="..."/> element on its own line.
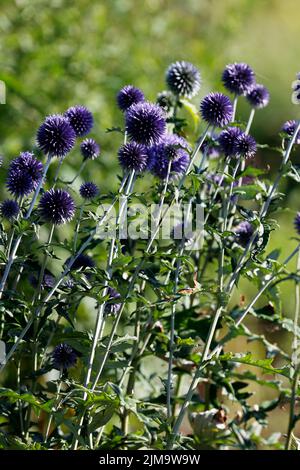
<point x="57" y="53"/>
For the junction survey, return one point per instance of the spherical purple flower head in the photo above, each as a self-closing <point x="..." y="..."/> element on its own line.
<point x="9" y="209"/>
<point x="258" y="96"/>
<point x="297" y="223"/>
<point x="210" y="146"/>
<point x="244" y="232"/>
<point x="89" y="149"/>
<point x="19" y="183"/>
<point x="165" y="100"/>
<point x="228" y="140"/>
<point x="238" y="78"/>
<point x="27" y="162"/>
<point x="245" y="146"/>
<point x="289" y="128"/>
<point x="88" y="190"/>
<point x="64" y="357"/>
<point x="57" y="206"/>
<point x="145" y="123"/>
<point x="56" y="136"/>
<point x="174" y="148"/>
<point x="82" y="262"/>
<point x="112" y="308"/>
<point x="128" y="96"/>
<point x="81" y="119"/>
<point x="183" y="79"/>
<point x="216" y="109"/>
<point x="133" y="156"/>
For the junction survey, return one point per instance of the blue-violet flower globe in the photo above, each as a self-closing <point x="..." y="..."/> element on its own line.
<point x="88" y="190"/>
<point x="89" y="149"/>
<point x="183" y="79"/>
<point x="238" y="78"/>
<point x="81" y="119"/>
<point x="216" y="109"/>
<point x="133" y="156"/>
<point x="9" y="209"/>
<point x="128" y="96"/>
<point x="57" y="206"/>
<point x="258" y="96"/>
<point x="145" y="123"/>
<point x="56" y="136"/>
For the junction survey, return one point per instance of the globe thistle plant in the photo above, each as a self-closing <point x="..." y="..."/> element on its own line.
<point x="133" y="156"/>
<point x="89" y="149"/>
<point x="145" y="123"/>
<point x="183" y="79"/>
<point x="9" y="209"/>
<point x="238" y="78"/>
<point x="81" y="120"/>
<point x="128" y="96"/>
<point x="56" y="136"/>
<point x="216" y="109"/>
<point x="56" y="206"/>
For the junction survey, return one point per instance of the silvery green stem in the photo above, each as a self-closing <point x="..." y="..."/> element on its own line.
<point x="77" y="228"/>
<point x="44" y="264"/>
<point x="218" y="313"/>
<point x="262" y="214"/>
<point x="134" y="277"/>
<point x="243" y="164"/>
<point x="295" y="361"/>
<point x="55" y="407"/>
<point x="250" y="120"/>
<point x="100" y="315"/>
<point x="234" y="106"/>
<point x="204" y="361"/>
<point x="193" y="156"/>
<point x="19" y="238"/>
<point x="169" y="384"/>
<point x="79" y="171"/>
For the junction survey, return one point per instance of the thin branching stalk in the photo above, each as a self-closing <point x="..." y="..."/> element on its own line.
<point x="295" y="361"/>
<point x="19" y="237"/>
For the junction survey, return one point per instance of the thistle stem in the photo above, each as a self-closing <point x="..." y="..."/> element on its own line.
<point x="19" y="238"/>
